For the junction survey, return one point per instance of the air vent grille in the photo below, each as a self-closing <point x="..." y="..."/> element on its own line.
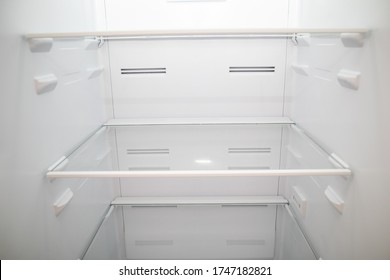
<point x="135" y="71"/>
<point x="147" y="151"/>
<point x="252" y="69"/>
<point x="249" y="150"/>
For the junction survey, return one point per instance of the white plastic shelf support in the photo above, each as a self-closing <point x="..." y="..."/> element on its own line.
<point x="45" y="83"/>
<point x="352" y="40"/>
<point x="349" y="79"/>
<point x="39" y="45"/>
<point x="62" y="201"/>
<point x="334" y="199"/>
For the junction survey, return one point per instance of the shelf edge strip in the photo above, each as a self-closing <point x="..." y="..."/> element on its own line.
<point x="176" y="201"/>
<point x="206" y="32"/>
<point x="198" y="173"/>
<point x="199" y="121"/>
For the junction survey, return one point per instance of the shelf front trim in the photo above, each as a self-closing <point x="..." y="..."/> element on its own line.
<point x="198" y="173"/>
<point x="199" y="121"/>
<point x="212" y="33"/>
<point x="203" y="200"/>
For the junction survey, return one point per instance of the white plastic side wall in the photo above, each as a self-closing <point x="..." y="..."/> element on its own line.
<point x="351" y="123"/>
<point x="38" y="129"/>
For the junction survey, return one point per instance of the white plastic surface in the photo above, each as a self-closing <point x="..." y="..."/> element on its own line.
<point x="197" y="82"/>
<point x="39" y="129"/>
<point x="354" y="126"/>
<point x="200" y="232"/>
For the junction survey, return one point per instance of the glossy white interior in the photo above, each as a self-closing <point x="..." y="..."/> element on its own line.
<point x="39" y="129"/>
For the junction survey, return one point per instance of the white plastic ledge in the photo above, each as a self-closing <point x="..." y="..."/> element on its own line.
<point x="196" y="121"/>
<point x="271" y="32"/>
<point x="196" y="200"/>
<point x="198" y="173"/>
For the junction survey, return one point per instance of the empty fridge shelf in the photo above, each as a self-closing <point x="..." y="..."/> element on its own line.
<point x="198" y="148"/>
<point x="189" y="228"/>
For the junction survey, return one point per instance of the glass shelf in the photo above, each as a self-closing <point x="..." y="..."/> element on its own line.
<point x="136" y="149"/>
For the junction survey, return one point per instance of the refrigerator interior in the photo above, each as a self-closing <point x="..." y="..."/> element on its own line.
<point x="175" y="132"/>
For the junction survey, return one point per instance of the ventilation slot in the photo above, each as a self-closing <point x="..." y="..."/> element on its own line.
<point x="249" y="150"/>
<point x="252" y="69"/>
<point x="147" y="151"/>
<point x="134" y="71"/>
